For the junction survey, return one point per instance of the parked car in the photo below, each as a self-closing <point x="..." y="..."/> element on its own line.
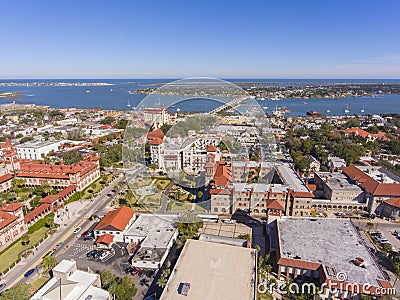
<point x="141" y="273"/>
<point x="84" y="233"/>
<point x="91" y="253"/>
<point x="29" y="273"/>
<point x="129" y="270"/>
<point x="77" y="229"/>
<point x="150" y="273"/>
<point x="58" y="246"/>
<point x="89" y="236"/>
<point x="2" y="286"/>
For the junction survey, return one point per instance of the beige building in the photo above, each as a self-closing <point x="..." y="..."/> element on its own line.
<point x="207" y="270"/>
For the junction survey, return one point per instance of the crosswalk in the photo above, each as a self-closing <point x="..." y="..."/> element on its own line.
<point x="79" y="248"/>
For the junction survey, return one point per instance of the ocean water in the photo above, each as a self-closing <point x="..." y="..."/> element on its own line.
<point x="118" y="95"/>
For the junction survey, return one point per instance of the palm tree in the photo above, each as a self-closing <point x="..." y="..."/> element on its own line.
<point x="49" y="262"/>
<point x="162" y="281"/>
<point x="47" y="189"/>
<point x="50" y="222"/>
<point x="25" y="239"/>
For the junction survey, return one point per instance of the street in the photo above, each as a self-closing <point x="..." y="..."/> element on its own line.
<point x="64" y="234"/>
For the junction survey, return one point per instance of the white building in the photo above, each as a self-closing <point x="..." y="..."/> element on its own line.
<point x="153" y="236"/>
<point x="70" y="283"/>
<point x="115" y="223"/>
<point x="189" y="155"/>
<point x="34" y="150"/>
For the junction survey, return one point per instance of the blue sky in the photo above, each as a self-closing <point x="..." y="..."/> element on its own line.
<point x="176" y="39"/>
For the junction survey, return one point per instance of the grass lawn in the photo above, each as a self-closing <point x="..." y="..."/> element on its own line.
<point x="140" y="182"/>
<point x="162" y="184"/>
<point x="11" y="255"/>
<point x="38" y="283"/>
<point x="152" y="201"/>
<point x="129" y="199"/>
<point x="175" y="206"/>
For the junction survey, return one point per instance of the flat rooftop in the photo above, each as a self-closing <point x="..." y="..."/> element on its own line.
<point x="338" y="181"/>
<point x="214" y="271"/>
<point x="39" y="144"/>
<point x="290" y="178"/>
<point x="331" y="242"/>
<point x="157" y="230"/>
<point x="225" y="229"/>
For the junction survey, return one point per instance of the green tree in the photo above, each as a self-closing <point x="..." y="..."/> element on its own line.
<point x="47" y="189"/>
<point x="108" y="280"/>
<point x="25" y="238"/>
<point x="162" y="281"/>
<point x="125" y="289"/>
<point x="370" y="226"/>
<point x="50" y="222"/>
<point x="49" y="262"/>
<point x="21" y="292"/>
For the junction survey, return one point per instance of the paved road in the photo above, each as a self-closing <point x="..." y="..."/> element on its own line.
<point x="165" y="198"/>
<point x="65" y="234"/>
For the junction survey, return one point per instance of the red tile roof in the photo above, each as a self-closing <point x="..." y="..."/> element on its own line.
<point x="360" y="132"/>
<point x="220" y="191"/>
<point x="370" y="184"/>
<point x="222" y="176"/>
<point x="116" y="219"/>
<point x="11" y="207"/>
<point x="211" y="148"/>
<point x="297" y="263"/>
<point x="156" y="141"/>
<point x="6" y="219"/>
<point x="105" y="239"/>
<point x="393" y="202"/>
<point x="5" y="178"/>
<point x="155" y="133"/>
<point x="41" y="170"/>
<point x="37" y="211"/>
<point x="49" y="199"/>
<point x="276" y="204"/>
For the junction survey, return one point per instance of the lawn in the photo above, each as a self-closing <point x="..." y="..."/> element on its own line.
<point x="38" y="283"/>
<point x="139" y="182"/>
<point x="162" y="184"/>
<point x="9" y="256"/>
<point x="152" y="202"/>
<point x="175" y="206"/>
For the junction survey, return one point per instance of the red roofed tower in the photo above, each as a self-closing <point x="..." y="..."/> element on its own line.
<point x="11" y="159"/>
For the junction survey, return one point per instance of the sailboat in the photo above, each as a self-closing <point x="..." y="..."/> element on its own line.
<point x="363" y="109"/>
<point x="129" y="104"/>
<point x="346" y="111"/>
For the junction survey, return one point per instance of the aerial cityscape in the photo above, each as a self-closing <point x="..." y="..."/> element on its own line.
<point x="208" y="150"/>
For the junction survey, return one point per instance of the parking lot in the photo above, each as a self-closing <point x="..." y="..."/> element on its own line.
<point x="117" y="263"/>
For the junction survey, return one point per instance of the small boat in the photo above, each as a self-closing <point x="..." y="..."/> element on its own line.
<point x="304" y="102"/>
<point x="130" y="92"/>
<point x="313" y="113"/>
<point x="178" y="109"/>
<point x="87" y="91"/>
<point x="110" y="90"/>
<point x="328" y="111"/>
